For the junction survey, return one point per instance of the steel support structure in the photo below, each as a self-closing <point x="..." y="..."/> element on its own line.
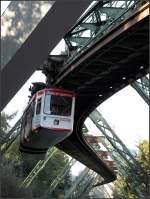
<point x="86" y="185"/>
<point x="142" y="87"/>
<point x="121" y="163"/>
<point x="39" y="166"/>
<point x="58" y="179"/>
<point x="71" y="193"/>
<point x="118" y="150"/>
<point x="96" y="22"/>
<point x="62" y="16"/>
<point x="10" y="136"/>
<point x="83" y="184"/>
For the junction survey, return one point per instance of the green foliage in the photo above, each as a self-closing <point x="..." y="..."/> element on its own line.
<point x="16" y="166"/>
<point x="5" y="118"/>
<point x="10" y="182"/>
<point x="124" y="187"/>
<point x="52" y="169"/>
<point x="18" y="22"/>
<point x="143" y="155"/>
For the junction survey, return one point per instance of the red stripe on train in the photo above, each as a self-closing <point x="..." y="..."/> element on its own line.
<point x="54" y="129"/>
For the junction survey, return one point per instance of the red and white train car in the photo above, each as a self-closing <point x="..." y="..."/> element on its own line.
<point x="47" y="120"/>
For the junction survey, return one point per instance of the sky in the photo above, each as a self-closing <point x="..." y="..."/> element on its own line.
<point x="126" y="112"/>
<point x="4" y="5"/>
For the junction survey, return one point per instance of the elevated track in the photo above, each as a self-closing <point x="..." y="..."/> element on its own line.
<point x="109" y="62"/>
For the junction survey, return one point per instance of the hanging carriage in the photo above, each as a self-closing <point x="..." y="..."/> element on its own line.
<point x="47" y="120"/>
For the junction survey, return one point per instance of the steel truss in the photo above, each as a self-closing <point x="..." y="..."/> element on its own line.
<point x="80" y="185"/>
<point x="10" y="137"/>
<point x="62" y="174"/>
<point x="142" y="87"/>
<point x="96" y="22"/>
<point x="39" y="166"/>
<point x="118" y="151"/>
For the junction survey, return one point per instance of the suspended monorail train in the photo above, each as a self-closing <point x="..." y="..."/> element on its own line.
<point x="47" y="120"/>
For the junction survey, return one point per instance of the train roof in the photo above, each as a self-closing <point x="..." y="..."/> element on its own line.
<point x="56" y="90"/>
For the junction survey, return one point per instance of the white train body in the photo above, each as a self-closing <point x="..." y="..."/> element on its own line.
<point x="49" y="117"/>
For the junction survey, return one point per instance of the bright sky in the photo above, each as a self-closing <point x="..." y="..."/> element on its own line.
<point x="4" y="5"/>
<point x="126" y="112"/>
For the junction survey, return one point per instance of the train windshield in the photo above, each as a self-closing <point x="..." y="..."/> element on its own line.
<point x="58" y="105"/>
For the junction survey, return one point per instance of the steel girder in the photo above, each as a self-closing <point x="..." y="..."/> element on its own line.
<point x="118" y="151"/>
<point x="96" y="22"/>
<point x="121" y="164"/>
<point x="142" y="87"/>
<point x="39" y="166"/>
<point x="10" y="137"/>
<point x="34" y="51"/>
<point x="81" y="184"/>
<point x="58" y="178"/>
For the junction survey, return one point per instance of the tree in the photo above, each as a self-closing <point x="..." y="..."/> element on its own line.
<point x="8" y="171"/>
<point x="18" y="22"/>
<point x="123" y="187"/>
<point x="5" y="127"/>
<point x="52" y="169"/>
<point x="16" y="166"/>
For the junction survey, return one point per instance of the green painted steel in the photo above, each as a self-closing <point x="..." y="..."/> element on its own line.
<point x="118" y="150"/>
<point x="39" y="166"/>
<point x="10" y="137"/>
<point x="96" y="22"/>
<point x="70" y="192"/>
<point x="58" y="178"/>
<point x="83" y="184"/>
<point x="142" y="87"/>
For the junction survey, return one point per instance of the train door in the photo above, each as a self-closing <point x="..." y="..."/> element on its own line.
<point x="29" y="118"/>
<point x="37" y="114"/>
<point x="27" y="121"/>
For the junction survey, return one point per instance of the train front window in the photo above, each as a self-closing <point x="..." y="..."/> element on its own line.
<point x="58" y="105"/>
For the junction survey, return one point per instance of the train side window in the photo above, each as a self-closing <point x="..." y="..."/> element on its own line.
<point x="38" y="107"/>
<point x="32" y="108"/>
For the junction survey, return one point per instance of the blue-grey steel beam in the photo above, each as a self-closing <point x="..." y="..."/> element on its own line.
<point x="142" y="87"/>
<point x="61" y="17"/>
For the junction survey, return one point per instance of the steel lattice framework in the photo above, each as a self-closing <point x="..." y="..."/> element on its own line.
<point x="62" y="174"/>
<point x="142" y="87"/>
<point x="113" y="144"/>
<point x="10" y="136"/>
<point x="118" y="150"/>
<point x="39" y="166"/>
<point x="96" y="23"/>
<point x="80" y="184"/>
